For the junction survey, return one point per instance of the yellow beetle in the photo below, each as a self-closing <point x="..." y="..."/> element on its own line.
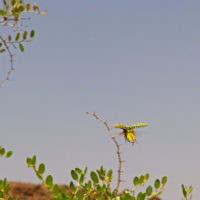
<point x="128" y="131"/>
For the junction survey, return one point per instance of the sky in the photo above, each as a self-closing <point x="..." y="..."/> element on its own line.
<point x="130" y="61"/>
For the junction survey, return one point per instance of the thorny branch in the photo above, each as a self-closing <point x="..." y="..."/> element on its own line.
<point x="11" y="61"/>
<point x="119" y="171"/>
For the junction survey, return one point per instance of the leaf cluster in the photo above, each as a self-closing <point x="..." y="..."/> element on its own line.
<point x="149" y="192"/>
<point x="187" y="192"/>
<point x="97" y="186"/>
<point x="12" y="9"/>
<point x="5" y="154"/>
<point x="18" y="40"/>
<point x="4" y="186"/>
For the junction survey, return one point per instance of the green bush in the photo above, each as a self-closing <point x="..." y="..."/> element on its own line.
<point x="4" y="187"/>
<point x="97" y="186"/>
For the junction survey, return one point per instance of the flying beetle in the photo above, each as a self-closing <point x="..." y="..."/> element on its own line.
<point x="128" y="132"/>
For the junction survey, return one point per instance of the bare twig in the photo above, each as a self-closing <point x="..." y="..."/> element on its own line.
<point x="119" y="171"/>
<point x="11" y="61"/>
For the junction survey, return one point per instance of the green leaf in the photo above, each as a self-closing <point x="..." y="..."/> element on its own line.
<point x="85" y="171"/>
<point x="21" y="47"/>
<point x="2" y="12"/>
<point x="94" y="177"/>
<point x="25" y="35"/>
<point x="1" y="185"/>
<point x="9" y="154"/>
<point x="184" y="191"/>
<point x="135" y="181"/>
<point x="9" y="38"/>
<point x="7" y="188"/>
<point x="149" y="190"/>
<point x="56" y="189"/>
<point x="49" y="180"/>
<point x="29" y="161"/>
<point x="2" y="151"/>
<point x="157" y="183"/>
<point x="140" y="196"/>
<point x="4" y="181"/>
<point x="32" y="33"/>
<point x="190" y="188"/>
<point x="88" y="186"/>
<point x="72" y="187"/>
<point x="17" y="36"/>
<point x="2" y="50"/>
<point x="4" y="2"/>
<point x="81" y="179"/>
<point x="164" y="180"/>
<point x="1" y="195"/>
<point x="109" y="176"/>
<point x="159" y="193"/>
<point x="74" y="175"/>
<point x="141" y="180"/>
<point x="79" y="171"/>
<point x="146" y="177"/>
<point x="34" y="160"/>
<point x="80" y="194"/>
<point x="41" y="168"/>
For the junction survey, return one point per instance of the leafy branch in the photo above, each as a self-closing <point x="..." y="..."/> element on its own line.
<point x="10" y="16"/>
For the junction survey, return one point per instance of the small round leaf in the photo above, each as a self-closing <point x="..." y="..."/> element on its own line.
<point x="49" y="180"/>
<point x="136" y="181"/>
<point x="157" y="183"/>
<point x="41" y="168"/>
<point x="21" y="47"/>
<point x="94" y="177"/>
<point x="149" y="190"/>
<point x="9" y="154"/>
<point x="32" y="33"/>
<point x="164" y="180"/>
<point x="74" y="175"/>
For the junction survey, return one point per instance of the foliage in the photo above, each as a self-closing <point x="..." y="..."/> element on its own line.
<point x="4" y="187"/>
<point x="11" y="15"/>
<point x="98" y="186"/>
<point x="187" y="192"/>
<point x="5" y="154"/>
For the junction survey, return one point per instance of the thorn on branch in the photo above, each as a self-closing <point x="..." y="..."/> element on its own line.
<point x="117" y="145"/>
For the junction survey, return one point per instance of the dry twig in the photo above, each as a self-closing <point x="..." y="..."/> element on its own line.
<point x="11" y="61"/>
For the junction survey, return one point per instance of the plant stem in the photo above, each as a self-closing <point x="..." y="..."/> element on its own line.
<point x="119" y="171"/>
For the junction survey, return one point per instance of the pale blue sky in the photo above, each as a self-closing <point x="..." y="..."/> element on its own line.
<point x="130" y="61"/>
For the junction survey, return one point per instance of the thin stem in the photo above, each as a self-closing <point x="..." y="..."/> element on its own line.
<point x="119" y="171"/>
<point x="11" y="61"/>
